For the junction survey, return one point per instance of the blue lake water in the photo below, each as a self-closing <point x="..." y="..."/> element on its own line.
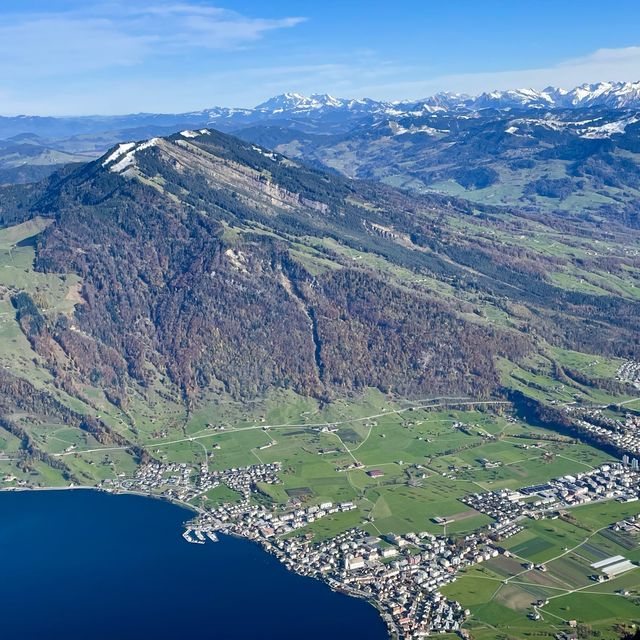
<point x="83" y="565"/>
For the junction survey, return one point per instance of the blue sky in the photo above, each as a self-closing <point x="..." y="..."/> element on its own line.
<point x="120" y="56"/>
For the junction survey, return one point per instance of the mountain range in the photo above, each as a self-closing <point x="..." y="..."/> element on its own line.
<point x="610" y="95"/>
<point x="574" y="151"/>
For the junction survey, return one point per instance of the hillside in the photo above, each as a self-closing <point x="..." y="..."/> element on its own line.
<point x="217" y="266"/>
<point x="210" y="262"/>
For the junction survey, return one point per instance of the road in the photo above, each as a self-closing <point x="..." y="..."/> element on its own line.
<point x="209" y="433"/>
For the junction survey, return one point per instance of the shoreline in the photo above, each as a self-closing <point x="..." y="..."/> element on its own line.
<point x="392" y="631"/>
<point x="123" y="492"/>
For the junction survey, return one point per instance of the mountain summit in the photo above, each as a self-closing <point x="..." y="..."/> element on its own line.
<point x="228" y="267"/>
<point x="221" y="266"/>
<point x="296" y="102"/>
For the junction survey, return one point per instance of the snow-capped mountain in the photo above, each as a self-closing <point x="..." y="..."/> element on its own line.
<point x="296" y="102"/>
<point x="514" y="98"/>
<point x="613" y="95"/>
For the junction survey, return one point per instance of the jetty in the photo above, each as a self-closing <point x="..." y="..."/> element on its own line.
<point x="187" y="536"/>
<point x="197" y="535"/>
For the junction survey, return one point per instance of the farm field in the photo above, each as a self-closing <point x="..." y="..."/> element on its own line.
<point x="502" y="593"/>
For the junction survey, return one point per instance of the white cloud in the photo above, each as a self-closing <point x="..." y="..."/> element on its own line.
<point x="621" y="64"/>
<point x="116" y="34"/>
<point x="185" y="25"/>
<point x="64" y="45"/>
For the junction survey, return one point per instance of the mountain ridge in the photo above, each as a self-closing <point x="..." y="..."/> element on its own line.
<point x="167" y="290"/>
<point x="613" y="95"/>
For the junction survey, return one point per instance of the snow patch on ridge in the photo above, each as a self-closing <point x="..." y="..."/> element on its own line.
<point x="266" y="154"/>
<point x="399" y="130"/>
<point x="195" y="134"/>
<point x="122" y="148"/>
<point x="124" y="156"/>
<point x="609" y="129"/>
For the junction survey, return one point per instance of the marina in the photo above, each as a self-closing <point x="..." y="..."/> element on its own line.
<point x="201" y="535"/>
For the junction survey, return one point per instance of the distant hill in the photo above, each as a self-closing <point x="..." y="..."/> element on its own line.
<point x="28" y="158"/>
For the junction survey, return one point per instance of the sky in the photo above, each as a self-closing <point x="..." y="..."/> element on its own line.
<point x="71" y="57"/>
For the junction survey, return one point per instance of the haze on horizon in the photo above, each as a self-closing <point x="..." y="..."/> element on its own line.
<point x="67" y="57"/>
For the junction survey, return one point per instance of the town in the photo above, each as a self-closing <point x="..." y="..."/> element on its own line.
<point x="629" y="371"/>
<point x="177" y="481"/>
<point x="619" y="481"/>
<point x="402" y="575"/>
<point x="624" y="435"/>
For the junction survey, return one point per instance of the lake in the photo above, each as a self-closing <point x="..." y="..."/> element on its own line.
<point x="85" y="565"/>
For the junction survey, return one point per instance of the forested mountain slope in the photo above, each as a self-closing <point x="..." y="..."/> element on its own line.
<point x="221" y="266"/>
